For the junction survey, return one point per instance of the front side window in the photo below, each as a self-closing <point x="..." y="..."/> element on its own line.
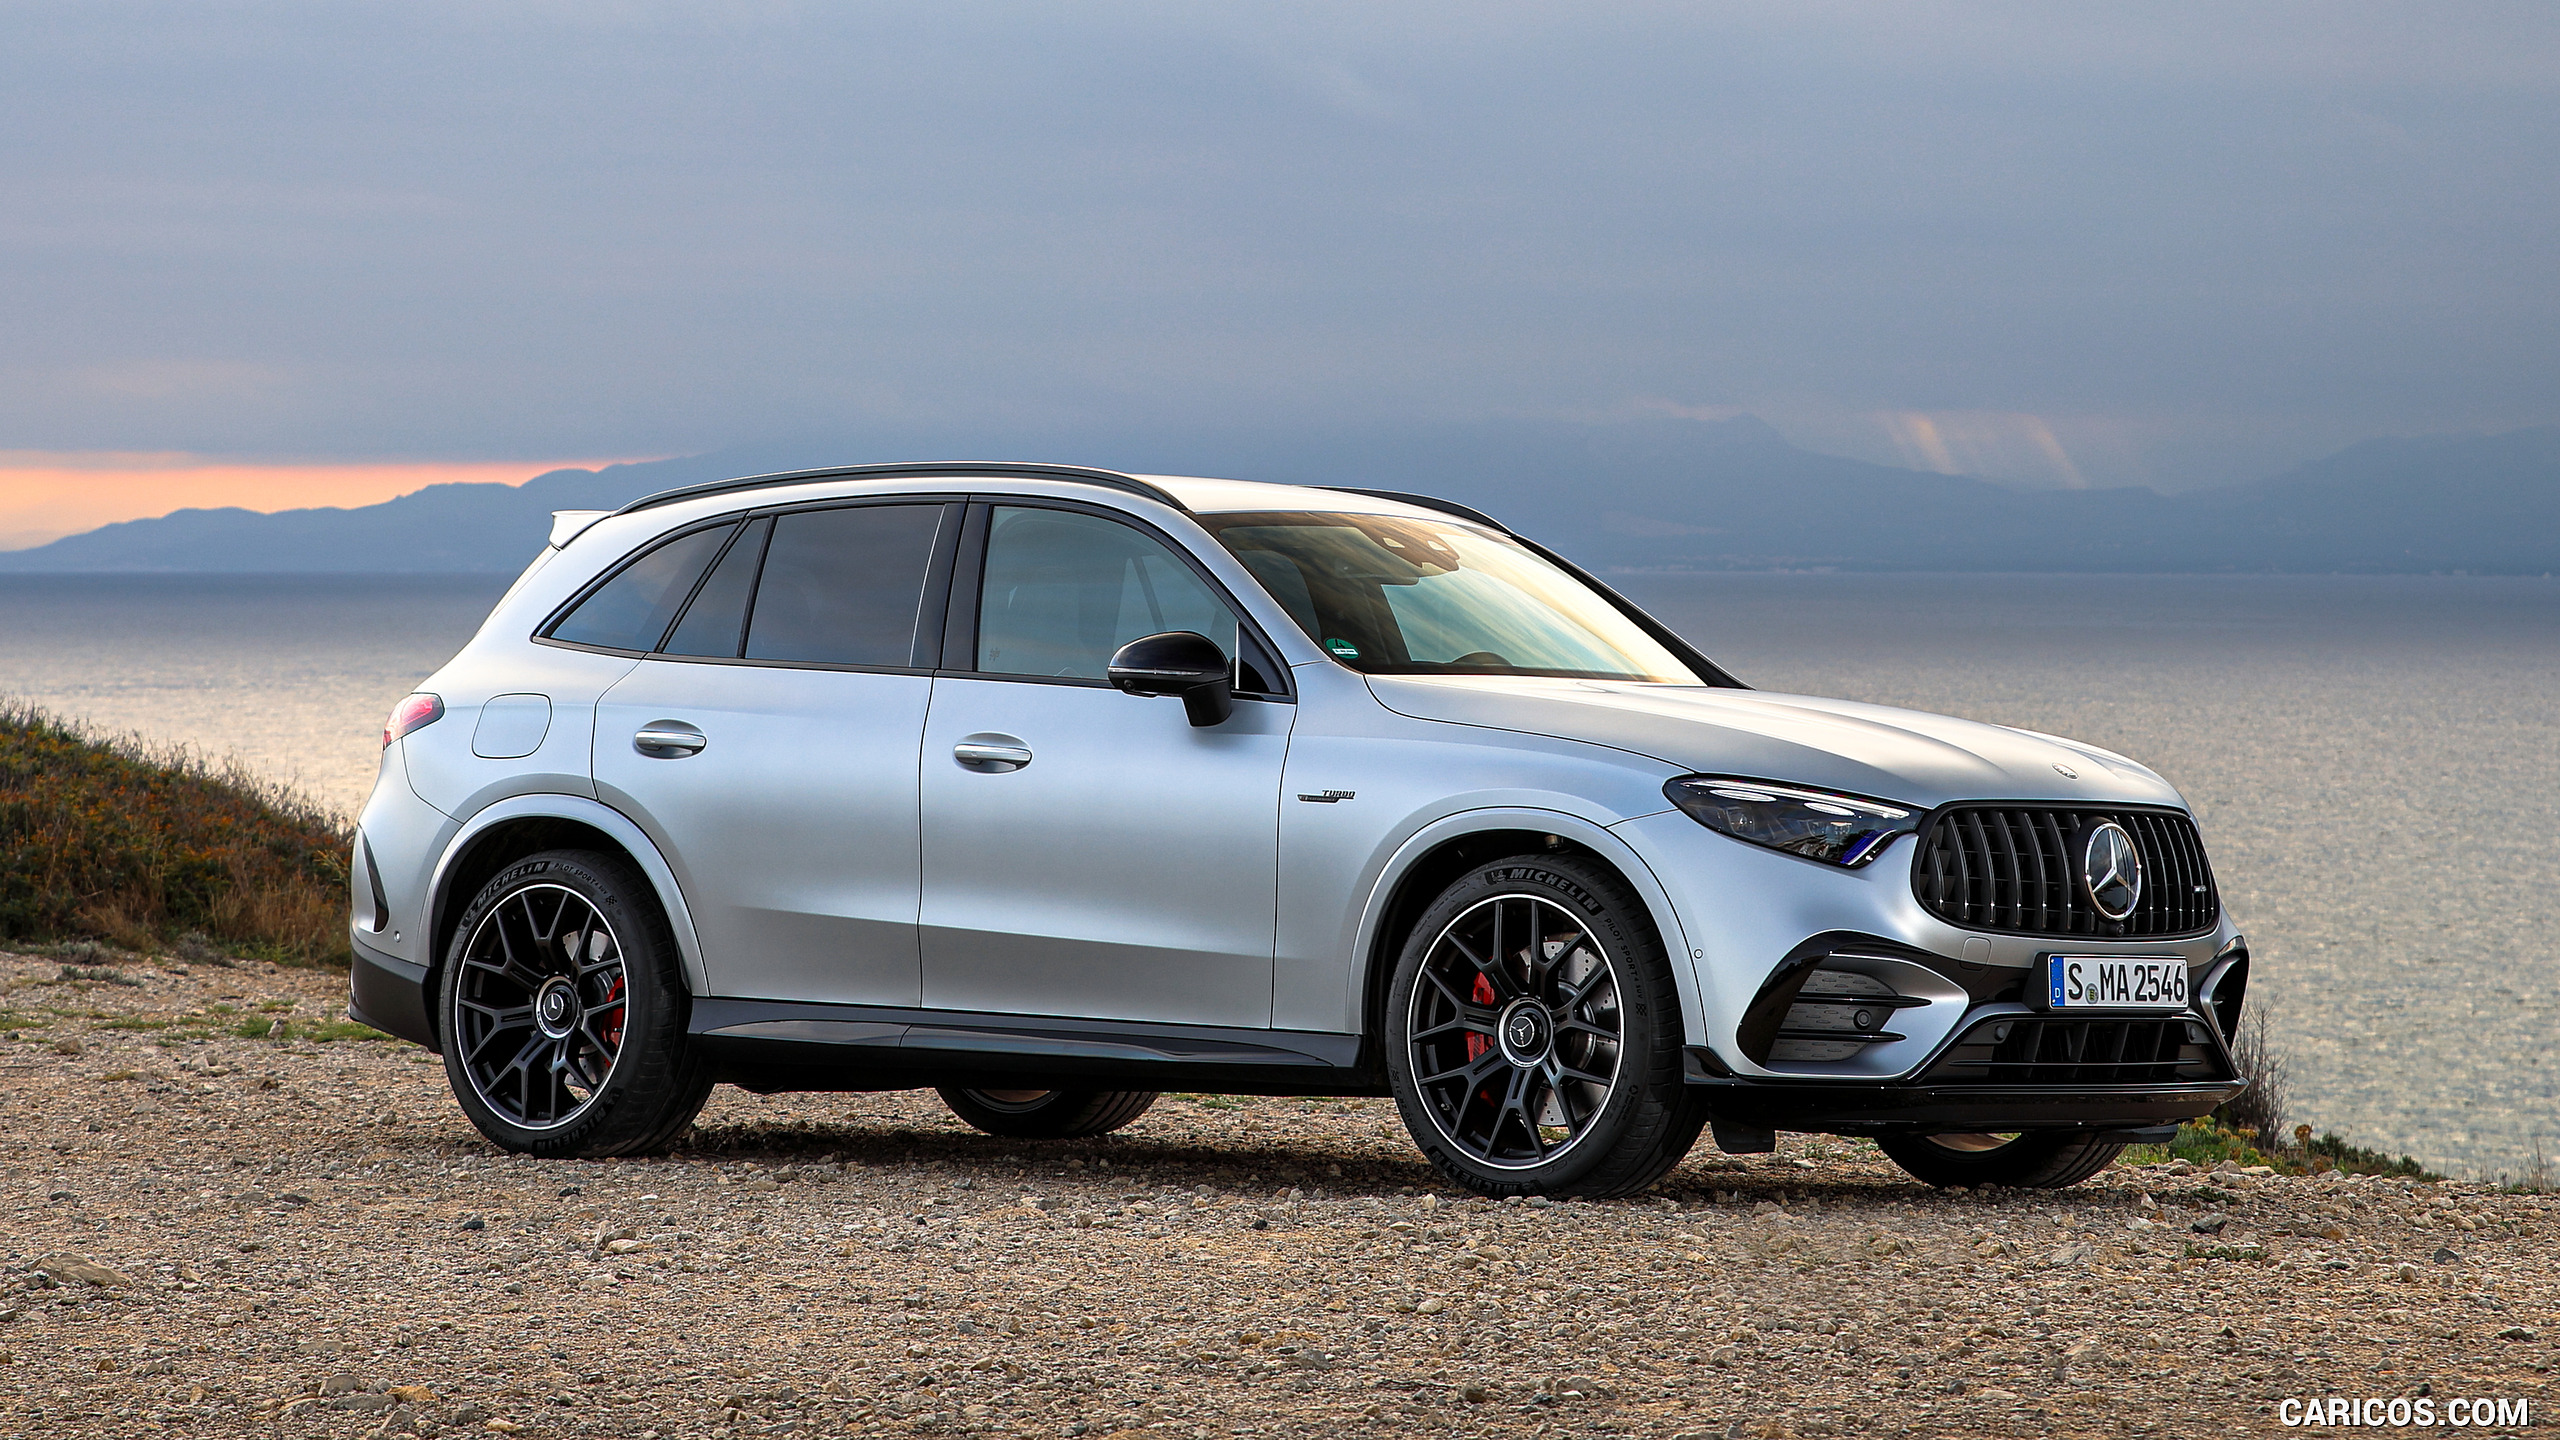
<point x="1064" y="590"/>
<point x="631" y="610"/>
<point x="1395" y="596"/>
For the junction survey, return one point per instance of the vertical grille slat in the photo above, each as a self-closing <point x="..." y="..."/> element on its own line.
<point x="2011" y="868"/>
<point x="2008" y="905"/>
<point x="1976" y="861"/>
<point x="2049" y="848"/>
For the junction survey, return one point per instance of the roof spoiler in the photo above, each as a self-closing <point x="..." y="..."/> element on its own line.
<point x="567" y="524"/>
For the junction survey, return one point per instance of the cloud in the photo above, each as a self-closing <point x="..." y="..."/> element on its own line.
<point x="2187" y="240"/>
<point x="1992" y="445"/>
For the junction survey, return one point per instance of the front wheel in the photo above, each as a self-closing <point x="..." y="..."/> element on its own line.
<point x="562" y="1011"/>
<point x="1047" y="1114"/>
<point x="1534" y="1034"/>
<point x="2034" y="1160"/>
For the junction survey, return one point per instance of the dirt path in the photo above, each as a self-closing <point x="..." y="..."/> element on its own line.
<point x="301" y="1236"/>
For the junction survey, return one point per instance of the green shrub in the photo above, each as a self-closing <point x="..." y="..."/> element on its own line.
<point x="2208" y="1142"/>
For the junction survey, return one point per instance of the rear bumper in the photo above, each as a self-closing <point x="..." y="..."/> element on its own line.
<point x="389" y="994"/>
<point x="1836" y="1109"/>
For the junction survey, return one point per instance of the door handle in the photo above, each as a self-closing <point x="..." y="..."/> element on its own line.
<point x="991" y="754"/>
<point x="668" y="740"/>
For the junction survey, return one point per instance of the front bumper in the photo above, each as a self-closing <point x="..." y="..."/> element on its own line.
<point x="1752" y="916"/>
<point x="389" y="994"/>
<point x="1834" y="1108"/>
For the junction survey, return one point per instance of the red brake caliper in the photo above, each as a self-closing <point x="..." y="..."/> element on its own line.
<point x="1482" y="994"/>
<point x="611" y="1030"/>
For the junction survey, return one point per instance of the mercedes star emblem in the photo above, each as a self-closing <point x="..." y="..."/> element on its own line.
<point x="2112" y="869"/>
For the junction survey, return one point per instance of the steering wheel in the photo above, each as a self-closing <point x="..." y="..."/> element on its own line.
<point x="1482" y="657"/>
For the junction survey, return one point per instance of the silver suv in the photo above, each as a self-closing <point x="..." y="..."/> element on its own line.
<point x="1054" y="788"/>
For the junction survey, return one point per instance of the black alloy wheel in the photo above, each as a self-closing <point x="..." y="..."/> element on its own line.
<point x="562" y="1012"/>
<point x="1535" y="1034"/>
<point x="2029" y="1160"/>
<point x="1028" y="1114"/>
<point x="1515" y="1032"/>
<point x="539" y="1004"/>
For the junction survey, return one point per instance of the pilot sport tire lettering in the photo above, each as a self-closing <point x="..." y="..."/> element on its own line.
<point x="2050" y="1160"/>
<point x="1029" y="1114"/>
<point x="562" y="1010"/>
<point x="1533" y="1034"/>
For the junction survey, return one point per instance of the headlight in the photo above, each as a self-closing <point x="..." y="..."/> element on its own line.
<point x="1835" y="829"/>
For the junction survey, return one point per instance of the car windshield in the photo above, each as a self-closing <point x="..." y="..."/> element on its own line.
<point x="1429" y="597"/>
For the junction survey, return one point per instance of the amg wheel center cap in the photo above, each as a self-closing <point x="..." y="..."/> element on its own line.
<point x="555" y="1007"/>
<point x="1526" y="1033"/>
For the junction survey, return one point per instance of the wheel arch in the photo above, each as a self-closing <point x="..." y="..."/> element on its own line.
<point x="1437" y="854"/>
<point x="528" y="824"/>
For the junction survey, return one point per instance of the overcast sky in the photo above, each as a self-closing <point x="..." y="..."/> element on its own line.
<point x="2162" y="244"/>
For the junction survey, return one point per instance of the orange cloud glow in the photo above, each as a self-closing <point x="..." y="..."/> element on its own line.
<point x="48" y="494"/>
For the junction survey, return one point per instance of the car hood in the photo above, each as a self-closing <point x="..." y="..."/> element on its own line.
<point x="1907" y="755"/>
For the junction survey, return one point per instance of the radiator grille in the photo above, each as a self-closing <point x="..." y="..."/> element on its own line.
<point x="2032" y="1050"/>
<point x="2015" y="868"/>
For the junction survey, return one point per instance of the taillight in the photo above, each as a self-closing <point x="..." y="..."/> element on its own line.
<point x="415" y="713"/>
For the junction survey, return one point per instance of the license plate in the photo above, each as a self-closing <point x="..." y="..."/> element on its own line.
<point x="2111" y="982"/>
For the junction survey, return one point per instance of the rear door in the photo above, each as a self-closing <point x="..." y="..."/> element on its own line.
<point x="1125" y="869"/>
<point x="769" y="748"/>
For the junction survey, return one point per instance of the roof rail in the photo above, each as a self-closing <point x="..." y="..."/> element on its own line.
<point x="1445" y="507"/>
<point x="1110" y="478"/>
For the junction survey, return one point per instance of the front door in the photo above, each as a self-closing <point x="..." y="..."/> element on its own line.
<point x="1089" y="853"/>
<point x="769" y="749"/>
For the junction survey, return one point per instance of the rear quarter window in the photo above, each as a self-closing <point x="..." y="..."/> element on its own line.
<point x="631" y="611"/>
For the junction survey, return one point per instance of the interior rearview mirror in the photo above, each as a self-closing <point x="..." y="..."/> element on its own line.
<point x="1179" y="662"/>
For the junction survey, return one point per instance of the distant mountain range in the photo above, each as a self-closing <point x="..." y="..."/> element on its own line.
<point x="1654" y="494"/>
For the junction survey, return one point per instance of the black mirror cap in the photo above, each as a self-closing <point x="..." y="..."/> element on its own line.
<point x="1179" y="662"/>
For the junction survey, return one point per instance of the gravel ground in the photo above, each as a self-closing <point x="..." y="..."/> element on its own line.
<point x="215" y="1229"/>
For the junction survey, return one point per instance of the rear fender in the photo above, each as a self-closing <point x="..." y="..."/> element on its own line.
<point x="614" y="824"/>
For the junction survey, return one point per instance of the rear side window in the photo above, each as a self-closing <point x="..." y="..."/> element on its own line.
<point x="631" y="610"/>
<point x="843" y="587"/>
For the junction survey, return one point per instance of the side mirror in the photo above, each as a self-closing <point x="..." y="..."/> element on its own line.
<point x="1182" y="663"/>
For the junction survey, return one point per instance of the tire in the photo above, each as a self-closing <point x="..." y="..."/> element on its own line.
<point x="575" y="1050"/>
<point x="2036" y="1160"/>
<point x="1047" y="1114"/>
<point x="1550" y="1067"/>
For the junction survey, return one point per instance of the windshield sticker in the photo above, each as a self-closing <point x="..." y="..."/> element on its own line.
<point x="1343" y="648"/>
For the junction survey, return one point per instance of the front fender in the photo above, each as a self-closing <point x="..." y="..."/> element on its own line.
<point x="615" y="825"/>
<point x="1577" y="829"/>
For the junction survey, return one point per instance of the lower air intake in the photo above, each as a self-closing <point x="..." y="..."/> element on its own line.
<point x="2081" y="1050"/>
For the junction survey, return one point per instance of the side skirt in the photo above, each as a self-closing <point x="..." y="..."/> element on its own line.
<point x="773" y="1046"/>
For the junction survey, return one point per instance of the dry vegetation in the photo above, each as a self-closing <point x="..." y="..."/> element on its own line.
<point x="112" y="840"/>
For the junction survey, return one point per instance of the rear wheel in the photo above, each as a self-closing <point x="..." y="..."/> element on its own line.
<point x="562" y="1011"/>
<point x="1047" y="1114"/>
<point x="2033" y="1160"/>
<point x="1534" y="1034"/>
